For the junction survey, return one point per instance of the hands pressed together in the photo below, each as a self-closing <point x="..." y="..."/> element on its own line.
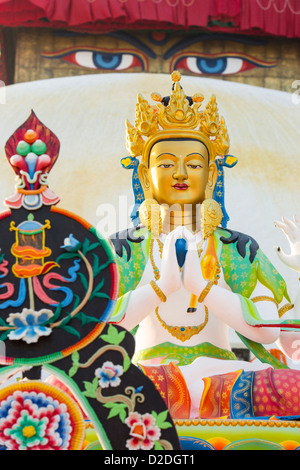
<point x="190" y="276"/>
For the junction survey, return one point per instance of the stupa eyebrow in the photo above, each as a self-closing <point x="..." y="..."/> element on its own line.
<point x="188" y="41"/>
<point x="119" y="35"/>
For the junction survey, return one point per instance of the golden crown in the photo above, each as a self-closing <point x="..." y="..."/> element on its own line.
<point x="180" y="115"/>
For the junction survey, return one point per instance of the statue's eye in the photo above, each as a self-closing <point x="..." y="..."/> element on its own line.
<point x="166" y="165"/>
<point x="194" y="167"/>
<point x="109" y="60"/>
<point x="217" y="64"/>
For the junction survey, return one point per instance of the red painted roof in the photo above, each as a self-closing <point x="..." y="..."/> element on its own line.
<point x="276" y="17"/>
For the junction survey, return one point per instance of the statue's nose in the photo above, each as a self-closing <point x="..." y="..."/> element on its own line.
<point x="180" y="171"/>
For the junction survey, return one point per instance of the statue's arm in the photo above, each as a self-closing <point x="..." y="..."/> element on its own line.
<point x="137" y="302"/>
<point x="289" y="341"/>
<point x="291" y="229"/>
<point x="229" y="306"/>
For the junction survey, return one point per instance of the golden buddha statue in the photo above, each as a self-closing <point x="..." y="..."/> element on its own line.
<point x="185" y="279"/>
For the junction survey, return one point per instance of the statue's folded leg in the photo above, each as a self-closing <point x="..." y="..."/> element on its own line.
<point x="260" y="394"/>
<point x="277" y="392"/>
<point x="237" y="395"/>
<point x="170" y="383"/>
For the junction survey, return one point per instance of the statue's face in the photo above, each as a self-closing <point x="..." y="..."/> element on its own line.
<point x="179" y="172"/>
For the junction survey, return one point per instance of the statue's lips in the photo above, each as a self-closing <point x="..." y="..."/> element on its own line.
<point x="181" y="186"/>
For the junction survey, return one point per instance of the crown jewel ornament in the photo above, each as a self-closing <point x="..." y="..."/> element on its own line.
<point x="177" y="112"/>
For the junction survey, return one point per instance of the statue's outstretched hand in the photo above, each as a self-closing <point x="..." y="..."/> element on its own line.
<point x="291" y="229"/>
<point x="170" y="276"/>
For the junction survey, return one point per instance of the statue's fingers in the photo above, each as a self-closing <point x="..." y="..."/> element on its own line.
<point x="169" y="242"/>
<point x="282" y="226"/>
<point x="191" y="239"/>
<point x="187" y="234"/>
<point x="286" y="230"/>
<point x="175" y="234"/>
<point x="296" y="221"/>
<point x="169" y="249"/>
<point x="289" y="224"/>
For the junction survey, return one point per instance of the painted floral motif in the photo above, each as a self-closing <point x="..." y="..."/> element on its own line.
<point x="29" y="325"/>
<point x="109" y="374"/>
<point x="143" y="431"/>
<point x="71" y="244"/>
<point x="34" y="421"/>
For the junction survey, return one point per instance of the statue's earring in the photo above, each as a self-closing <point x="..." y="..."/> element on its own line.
<point x="150" y="216"/>
<point x="209" y="191"/>
<point x="211" y="217"/>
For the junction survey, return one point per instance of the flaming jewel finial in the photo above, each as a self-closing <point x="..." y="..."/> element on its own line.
<point x="32" y="151"/>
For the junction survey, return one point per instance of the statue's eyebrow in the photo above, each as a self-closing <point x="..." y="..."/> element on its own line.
<point x="196" y="153"/>
<point x="188" y="41"/>
<point x="165" y="153"/>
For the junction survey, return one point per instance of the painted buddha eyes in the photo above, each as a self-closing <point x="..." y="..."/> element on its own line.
<point x="105" y="61"/>
<point x="218" y="64"/>
<point x="109" y="60"/>
<point x="120" y="60"/>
